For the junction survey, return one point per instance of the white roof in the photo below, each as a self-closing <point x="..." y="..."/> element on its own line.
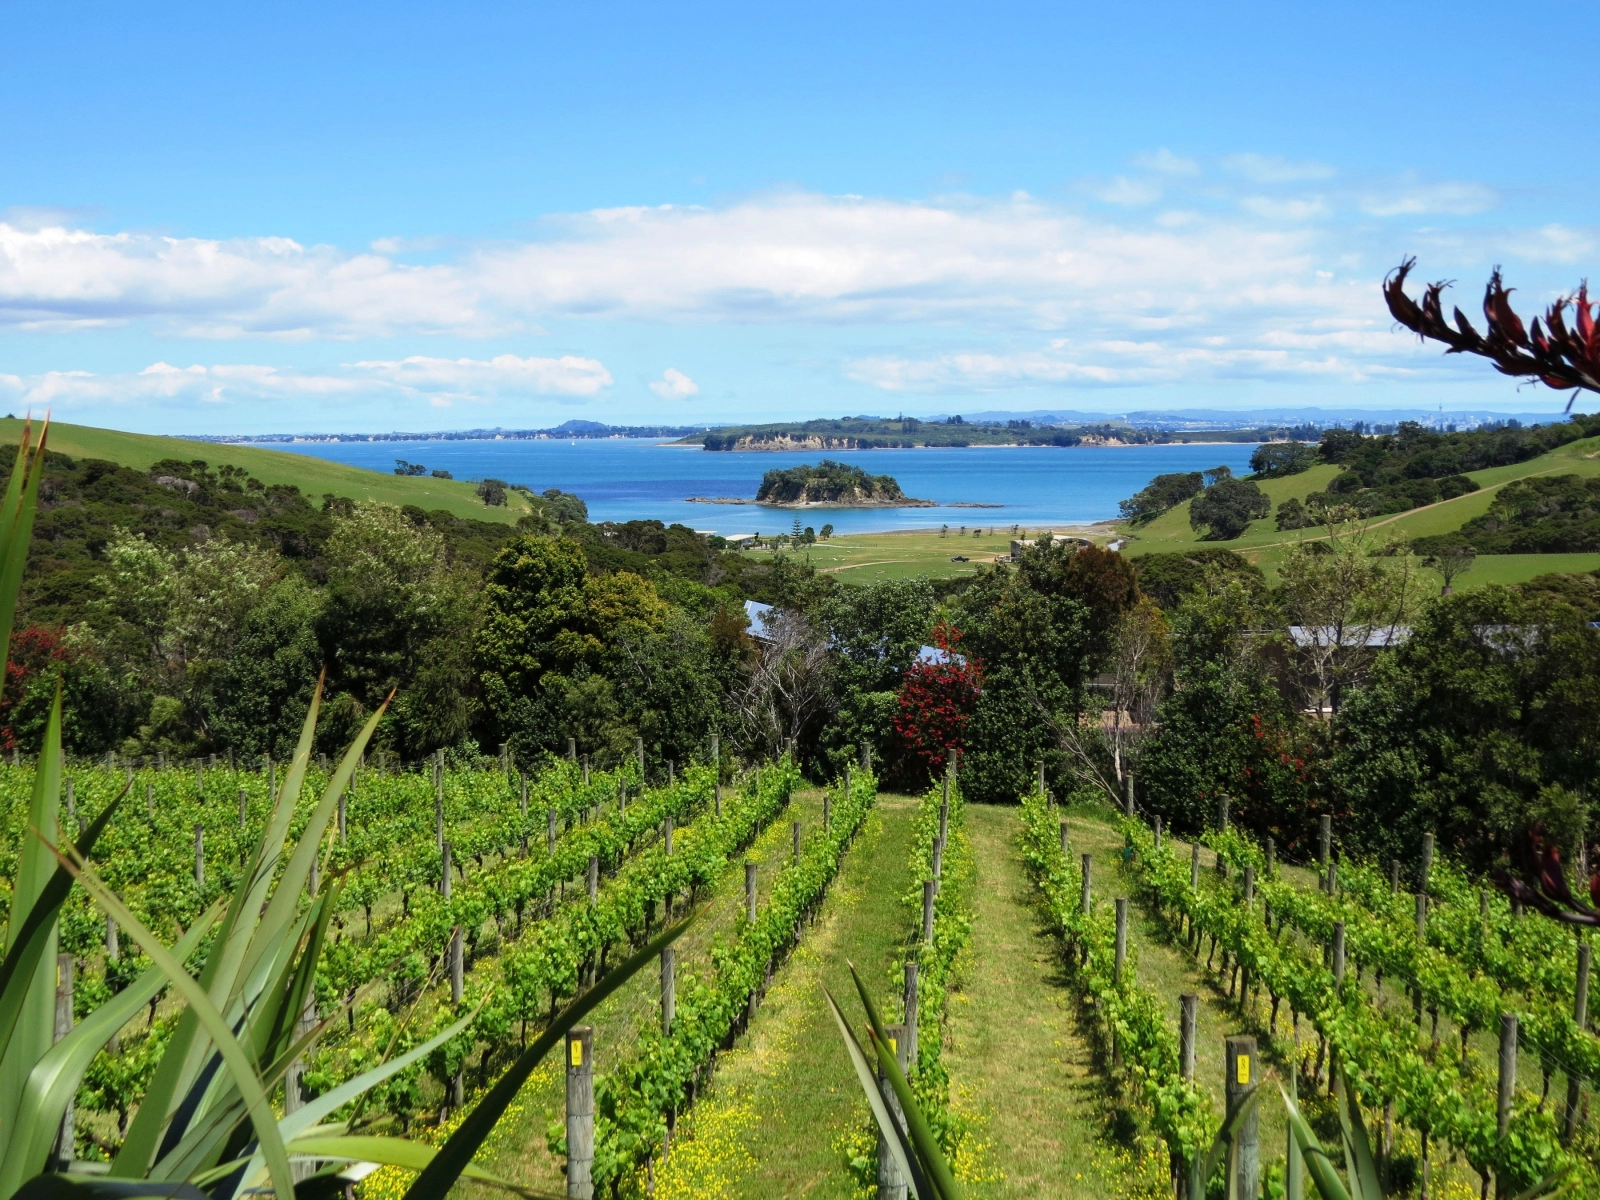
<point x="1351" y="635"/>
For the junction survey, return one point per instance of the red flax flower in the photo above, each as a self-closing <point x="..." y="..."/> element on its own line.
<point x="936" y="701"/>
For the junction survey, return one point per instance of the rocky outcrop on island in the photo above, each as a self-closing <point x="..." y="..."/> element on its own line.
<point x="832" y="484"/>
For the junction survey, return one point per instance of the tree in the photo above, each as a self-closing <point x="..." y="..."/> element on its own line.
<point x="1224" y="730"/>
<point x="789" y="687"/>
<point x="1346" y="604"/>
<point x="492" y="492"/>
<point x="1482" y="727"/>
<point x="1273" y="460"/>
<point x="1451" y="561"/>
<point x="1160" y="494"/>
<point x="936" y="701"/>
<point x="876" y="631"/>
<point x="1226" y="508"/>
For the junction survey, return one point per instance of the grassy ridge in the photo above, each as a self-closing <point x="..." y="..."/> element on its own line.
<point x="1264" y="545"/>
<point x="313" y="476"/>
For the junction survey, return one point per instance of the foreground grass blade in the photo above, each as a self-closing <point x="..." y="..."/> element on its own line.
<point x="1318" y="1164"/>
<point x="240" y="1069"/>
<point x="1360" y="1168"/>
<point x="940" y="1176"/>
<point x="887" y="1126"/>
<point x="441" y="1174"/>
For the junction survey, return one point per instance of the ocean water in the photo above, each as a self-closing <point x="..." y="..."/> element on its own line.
<point x="628" y="479"/>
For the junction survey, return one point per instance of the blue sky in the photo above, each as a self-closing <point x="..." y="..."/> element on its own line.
<point x="286" y="218"/>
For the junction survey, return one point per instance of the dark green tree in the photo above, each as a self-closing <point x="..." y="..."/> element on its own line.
<point x="1226" y="508"/>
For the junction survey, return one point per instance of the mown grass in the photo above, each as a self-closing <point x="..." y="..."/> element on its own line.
<point x="313" y="476"/>
<point x="785" y="1102"/>
<point x="1016" y="1050"/>
<point x="907" y="554"/>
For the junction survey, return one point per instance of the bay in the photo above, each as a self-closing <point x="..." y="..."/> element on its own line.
<point x="640" y="478"/>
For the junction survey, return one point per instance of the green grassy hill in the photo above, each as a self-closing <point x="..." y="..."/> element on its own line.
<point x="313" y="476"/>
<point x="1263" y="545"/>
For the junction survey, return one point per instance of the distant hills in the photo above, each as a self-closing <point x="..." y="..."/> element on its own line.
<point x="1059" y="427"/>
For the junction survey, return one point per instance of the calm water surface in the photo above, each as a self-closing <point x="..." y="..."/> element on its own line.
<point x="627" y="479"/>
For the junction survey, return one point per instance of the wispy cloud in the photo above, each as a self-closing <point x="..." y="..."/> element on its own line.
<point x="1447" y="198"/>
<point x="1269" y="168"/>
<point x="442" y="382"/>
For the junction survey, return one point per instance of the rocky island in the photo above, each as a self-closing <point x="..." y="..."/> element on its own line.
<point x="829" y="484"/>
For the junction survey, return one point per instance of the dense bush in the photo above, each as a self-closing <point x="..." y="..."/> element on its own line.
<point x="1226" y="508"/>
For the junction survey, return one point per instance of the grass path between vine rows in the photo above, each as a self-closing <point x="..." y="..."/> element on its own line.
<point x="1015" y="1050"/>
<point x="785" y="1100"/>
<point x="517" y="1148"/>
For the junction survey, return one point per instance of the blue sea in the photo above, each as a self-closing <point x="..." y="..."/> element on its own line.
<point x="628" y="479"/>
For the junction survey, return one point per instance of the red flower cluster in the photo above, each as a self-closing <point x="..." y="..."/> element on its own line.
<point x="936" y="702"/>
<point x="32" y="650"/>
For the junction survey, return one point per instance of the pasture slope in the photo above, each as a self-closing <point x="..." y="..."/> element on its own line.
<point x="315" y="477"/>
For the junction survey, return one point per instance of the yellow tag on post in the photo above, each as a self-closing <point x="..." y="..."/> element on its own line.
<point x="1244" y="1070"/>
<point x="577" y="1053"/>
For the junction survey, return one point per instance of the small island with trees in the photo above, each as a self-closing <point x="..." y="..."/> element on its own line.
<point x="828" y="484"/>
<point x="832" y="484"/>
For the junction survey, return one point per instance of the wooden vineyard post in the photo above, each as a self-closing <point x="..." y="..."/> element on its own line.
<point x="1580" y="1017"/>
<point x="1086" y="864"/>
<point x="638" y="751"/>
<point x="244" y="808"/>
<point x="1063" y="839"/>
<point x="1239" y="1063"/>
<point x="113" y="944"/>
<point x="550" y="830"/>
<point x="827" y="808"/>
<point x="669" y="989"/>
<point x="524" y="780"/>
<point x="797" y="841"/>
<point x="1194" y="867"/>
<point x="622" y="796"/>
<point x="344" y="819"/>
<point x="1324" y="849"/>
<point x="716" y="795"/>
<point x="444" y="875"/>
<point x="1508" y="1072"/>
<point x="938" y="858"/>
<point x="585" y="761"/>
<point x="1158" y="835"/>
<point x="199" y="856"/>
<point x="750" y="892"/>
<point x="672" y="774"/>
<point x="1394" y="876"/>
<point x="890" y="1185"/>
<point x="572" y="749"/>
<point x="457" y="966"/>
<point x="65" y="966"/>
<point x="1041" y="777"/>
<point x="594" y="878"/>
<point x="580" y="1113"/>
<point x="911" y="1016"/>
<point x="1335" y="1080"/>
<point x="150" y="800"/>
<point x="1188" y="1012"/>
<point x="929" y="889"/>
<point x="1427" y="863"/>
<point x="1128" y="779"/>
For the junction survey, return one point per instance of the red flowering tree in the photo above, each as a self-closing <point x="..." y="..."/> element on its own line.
<point x="33" y="651"/>
<point x="936" y="702"/>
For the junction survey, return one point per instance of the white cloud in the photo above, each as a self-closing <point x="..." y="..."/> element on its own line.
<point x="568" y="375"/>
<point x="1166" y="162"/>
<point x="1304" y="208"/>
<point x="443" y="382"/>
<point x="1122" y="190"/>
<point x="1449" y="198"/>
<point x="675" y="385"/>
<point x="1269" y="168"/>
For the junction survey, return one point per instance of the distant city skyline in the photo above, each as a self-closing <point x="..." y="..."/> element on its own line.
<point x="407" y="217"/>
